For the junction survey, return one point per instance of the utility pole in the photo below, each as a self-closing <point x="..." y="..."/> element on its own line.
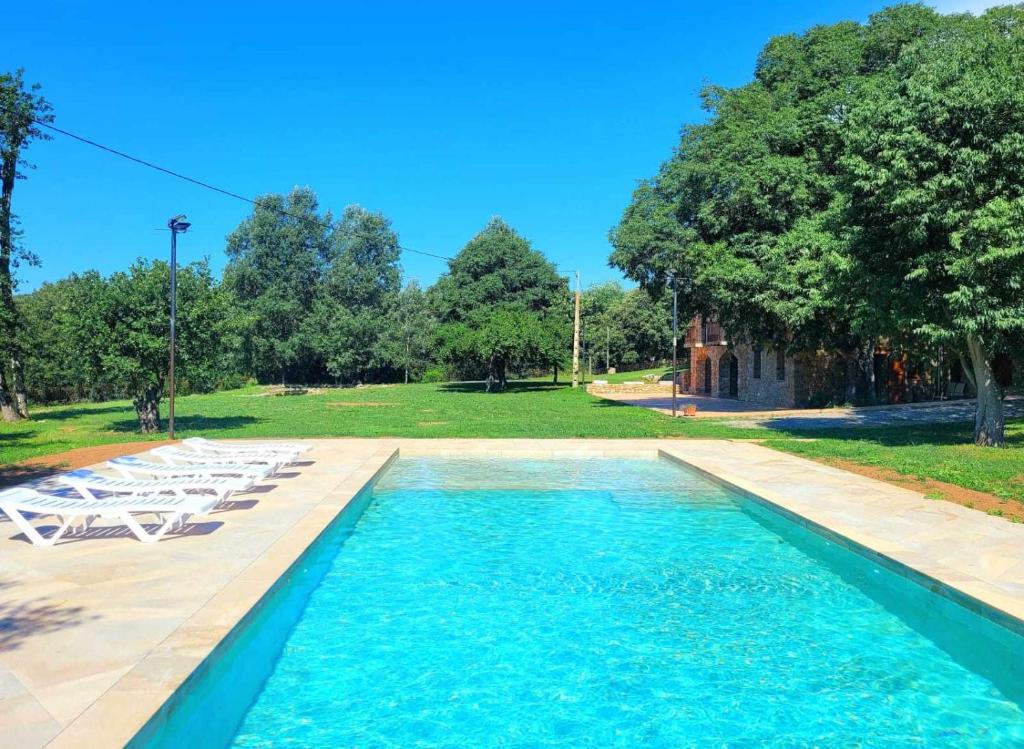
<point x="607" y="349"/>
<point x="177" y="225"/>
<point x="675" y="341"/>
<point x="576" y="337"/>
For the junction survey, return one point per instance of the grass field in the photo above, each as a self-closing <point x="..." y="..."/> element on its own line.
<point x="529" y="409"/>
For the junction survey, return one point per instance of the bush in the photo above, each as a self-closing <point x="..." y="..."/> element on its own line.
<point x="434" y="374"/>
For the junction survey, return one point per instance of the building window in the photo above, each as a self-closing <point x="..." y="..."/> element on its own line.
<point x="757" y="362"/>
<point x="780" y="364"/>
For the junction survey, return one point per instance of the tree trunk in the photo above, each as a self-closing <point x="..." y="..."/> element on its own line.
<point x="8" y="312"/>
<point x="968" y="368"/>
<point x="989" y="420"/>
<point x="496" y="375"/>
<point x="18" y="381"/>
<point x="555" y="380"/>
<point x="147" y="407"/>
<point x="850" y="371"/>
<point x="7" y="407"/>
<point x="864" y="389"/>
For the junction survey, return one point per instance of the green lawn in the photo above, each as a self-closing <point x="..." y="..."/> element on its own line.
<point x="529" y="409"/>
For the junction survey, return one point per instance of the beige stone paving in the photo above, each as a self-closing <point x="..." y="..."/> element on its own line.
<point x="100" y="630"/>
<point x="103" y="630"/>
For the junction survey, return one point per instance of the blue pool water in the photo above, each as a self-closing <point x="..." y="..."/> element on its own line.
<point x="487" y="603"/>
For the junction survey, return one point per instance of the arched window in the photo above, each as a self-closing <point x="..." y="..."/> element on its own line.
<point x="757" y="362"/>
<point x="780" y="364"/>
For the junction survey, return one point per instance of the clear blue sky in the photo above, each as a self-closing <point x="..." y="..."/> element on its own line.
<point x="439" y="114"/>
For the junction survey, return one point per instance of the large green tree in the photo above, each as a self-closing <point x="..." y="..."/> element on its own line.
<point x="644" y="322"/>
<point x="934" y="169"/>
<point x="501" y="304"/>
<point x="627" y="328"/>
<point x="355" y="302"/>
<point x="276" y="258"/>
<point x="22" y="109"/>
<point x="745" y="214"/>
<point x="135" y="348"/>
<point x="410" y="329"/>
<point x="65" y="331"/>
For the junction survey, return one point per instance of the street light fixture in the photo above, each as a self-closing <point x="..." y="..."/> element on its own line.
<point x="177" y="225"/>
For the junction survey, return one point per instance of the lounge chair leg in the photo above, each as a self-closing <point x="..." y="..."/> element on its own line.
<point x="35" y="536"/>
<point x="175" y="521"/>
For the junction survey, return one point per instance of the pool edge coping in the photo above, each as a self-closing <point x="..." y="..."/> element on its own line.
<point x="136" y="699"/>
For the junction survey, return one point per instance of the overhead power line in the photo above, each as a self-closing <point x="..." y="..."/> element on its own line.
<point x="208" y="186"/>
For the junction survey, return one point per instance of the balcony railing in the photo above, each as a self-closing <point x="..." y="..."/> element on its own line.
<point x="704" y="333"/>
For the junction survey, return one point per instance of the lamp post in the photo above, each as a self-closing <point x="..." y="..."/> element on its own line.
<point x="675" y="340"/>
<point x="177" y="225"/>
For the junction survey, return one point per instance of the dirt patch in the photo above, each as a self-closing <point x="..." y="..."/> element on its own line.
<point x="430" y="423"/>
<point x="80" y="457"/>
<point x="357" y="404"/>
<point x="987" y="503"/>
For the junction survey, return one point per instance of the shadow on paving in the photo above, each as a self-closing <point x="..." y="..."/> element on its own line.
<point x="20" y="620"/>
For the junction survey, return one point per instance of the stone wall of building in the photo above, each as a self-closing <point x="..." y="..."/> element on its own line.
<point x="768" y="389"/>
<point x="699" y="372"/>
<point x="805" y="375"/>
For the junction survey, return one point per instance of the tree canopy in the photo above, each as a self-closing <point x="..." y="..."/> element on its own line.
<point x="932" y="169"/>
<point x="275" y="263"/>
<point x="134" y="352"/>
<point x="864" y="184"/>
<point x="500" y="304"/>
<point x="348" y="324"/>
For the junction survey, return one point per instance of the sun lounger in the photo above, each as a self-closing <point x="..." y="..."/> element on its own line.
<point x="175" y="456"/>
<point x="132" y="467"/>
<point x="87" y="483"/>
<point x="172" y="512"/>
<point x="205" y="446"/>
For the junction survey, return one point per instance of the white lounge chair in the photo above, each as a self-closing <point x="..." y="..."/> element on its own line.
<point x="172" y="512"/>
<point x="205" y="446"/>
<point x="132" y="467"/>
<point x="175" y="456"/>
<point x="87" y="482"/>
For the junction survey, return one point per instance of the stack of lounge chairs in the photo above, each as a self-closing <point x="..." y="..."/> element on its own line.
<point x="191" y="480"/>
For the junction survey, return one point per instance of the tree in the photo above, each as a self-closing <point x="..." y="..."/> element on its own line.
<point x="357" y="297"/>
<point x="500" y="304"/>
<point x="747" y="214"/>
<point x="276" y="258"/>
<point x="632" y="328"/>
<point x="596" y="307"/>
<point x="65" y="329"/>
<point x="137" y="310"/>
<point x="409" y="333"/>
<point x="644" y="322"/>
<point x="22" y="109"/>
<point x="934" y="154"/>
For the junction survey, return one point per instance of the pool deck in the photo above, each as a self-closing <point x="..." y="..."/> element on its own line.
<point x="97" y="632"/>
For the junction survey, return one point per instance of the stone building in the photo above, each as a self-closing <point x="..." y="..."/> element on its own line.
<point x="740" y="371"/>
<point x="773" y="378"/>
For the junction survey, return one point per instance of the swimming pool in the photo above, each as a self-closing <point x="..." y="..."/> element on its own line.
<point x="596" y="602"/>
